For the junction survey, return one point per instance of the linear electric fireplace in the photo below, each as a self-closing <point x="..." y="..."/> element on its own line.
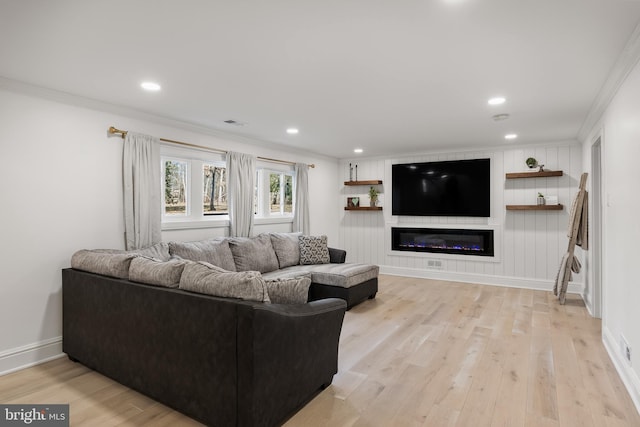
<point x="443" y="240"/>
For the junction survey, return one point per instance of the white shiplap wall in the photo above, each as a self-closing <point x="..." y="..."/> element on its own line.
<point x="529" y="245"/>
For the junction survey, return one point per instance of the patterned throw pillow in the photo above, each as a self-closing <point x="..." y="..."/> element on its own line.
<point x="313" y="250"/>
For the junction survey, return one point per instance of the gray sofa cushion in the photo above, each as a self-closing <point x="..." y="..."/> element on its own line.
<point x="206" y="278"/>
<point x="213" y="251"/>
<point x="289" y="291"/>
<point x="108" y="262"/>
<point x="343" y="275"/>
<point x="155" y="272"/>
<point x="288" y="273"/>
<point x="115" y="262"/>
<point x="158" y="251"/>
<point x="313" y="250"/>
<point x="287" y="248"/>
<point x="253" y="253"/>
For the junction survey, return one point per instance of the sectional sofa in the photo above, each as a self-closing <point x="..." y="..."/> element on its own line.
<point x="245" y="345"/>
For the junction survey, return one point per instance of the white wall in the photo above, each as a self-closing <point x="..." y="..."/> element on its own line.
<point x="620" y="131"/>
<point x="62" y="191"/>
<point x="529" y="245"/>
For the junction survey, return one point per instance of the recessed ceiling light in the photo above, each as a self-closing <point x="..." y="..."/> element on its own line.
<point x="357" y="150"/>
<point x="292" y="131"/>
<point x="510" y="136"/>
<point x="498" y="100"/>
<point x="150" y="86"/>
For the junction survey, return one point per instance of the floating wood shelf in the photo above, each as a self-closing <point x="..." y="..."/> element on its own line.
<point x="557" y="207"/>
<point x="370" y="182"/>
<point x="543" y="174"/>
<point x="363" y="208"/>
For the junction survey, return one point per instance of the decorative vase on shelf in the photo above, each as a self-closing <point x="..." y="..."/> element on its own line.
<point x="540" y="200"/>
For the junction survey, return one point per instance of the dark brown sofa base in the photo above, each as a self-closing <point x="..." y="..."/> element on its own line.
<point x="221" y="361"/>
<point x="353" y="295"/>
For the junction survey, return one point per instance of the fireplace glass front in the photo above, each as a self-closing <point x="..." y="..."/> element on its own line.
<point x="443" y="240"/>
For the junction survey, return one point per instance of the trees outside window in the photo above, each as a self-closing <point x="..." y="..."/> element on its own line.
<point x="175" y="187"/>
<point x="193" y="189"/>
<point x="215" y="190"/>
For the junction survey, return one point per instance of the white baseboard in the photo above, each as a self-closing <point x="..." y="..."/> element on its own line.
<point x="627" y="374"/>
<point x="481" y="279"/>
<point x="588" y="301"/>
<point x="19" y="358"/>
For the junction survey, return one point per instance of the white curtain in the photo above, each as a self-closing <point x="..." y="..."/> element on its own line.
<point x="301" y="208"/>
<point x="141" y="179"/>
<point x="241" y="177"/>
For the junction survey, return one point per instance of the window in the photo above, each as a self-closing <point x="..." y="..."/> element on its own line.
<point x="176" y="197"/>
<point x="194" y="186"/>
<point x="215" y="190"/>
<point x="274" y="193"/>
<point x="280" y="186"/>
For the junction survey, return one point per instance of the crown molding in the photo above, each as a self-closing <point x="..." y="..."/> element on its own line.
<point x="627" y="60"/>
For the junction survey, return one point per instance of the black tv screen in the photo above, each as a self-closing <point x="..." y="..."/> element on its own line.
<point x="449" y="188"/>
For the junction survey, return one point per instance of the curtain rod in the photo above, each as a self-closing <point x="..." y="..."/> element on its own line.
<point x="123" y="133"/>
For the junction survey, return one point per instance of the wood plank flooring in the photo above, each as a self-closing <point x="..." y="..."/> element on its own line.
<point x="423" y="353"/>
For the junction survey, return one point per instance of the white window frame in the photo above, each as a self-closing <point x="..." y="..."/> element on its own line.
<point x="187" y="190"/>
<point x="195" y="217"/>
<point x="264" y="214"/>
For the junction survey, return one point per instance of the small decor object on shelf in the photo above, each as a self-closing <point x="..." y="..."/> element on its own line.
<point x="531" y="162"/>
<point x="350" y="172"/>
<point x="353" y="202"/>
<point x="373" y="196"/>
<point x="540" y="167"/>
<point x="551" y="200"/>
<point x="541" y="200"/>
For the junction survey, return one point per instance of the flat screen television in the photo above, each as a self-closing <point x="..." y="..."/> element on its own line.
<point x="448" y="188"/>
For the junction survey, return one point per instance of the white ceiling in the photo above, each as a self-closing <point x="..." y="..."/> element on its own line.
<point x="387" y="76"/>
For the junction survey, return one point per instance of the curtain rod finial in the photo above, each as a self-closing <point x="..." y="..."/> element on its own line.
<point x="113" y="130"/>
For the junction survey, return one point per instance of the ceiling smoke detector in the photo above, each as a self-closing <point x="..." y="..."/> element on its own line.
<point x="500" y="117"/>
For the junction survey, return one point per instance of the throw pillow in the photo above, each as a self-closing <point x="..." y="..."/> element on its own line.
<point x="313" y="250"/>
<point x="213" y="251"/>
<point x="115" y="262"/>
<point x="108" y="262"/>
<point x="287" y="248"/>
<point x="156" y="272"/>
<point x="158" y="251"/>
<point x="254" y="253"/>
<point x="208" y="279"/>
<point x="289" y="291"/>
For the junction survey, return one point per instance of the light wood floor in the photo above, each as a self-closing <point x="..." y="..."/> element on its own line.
<point x="423" y="353"/>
